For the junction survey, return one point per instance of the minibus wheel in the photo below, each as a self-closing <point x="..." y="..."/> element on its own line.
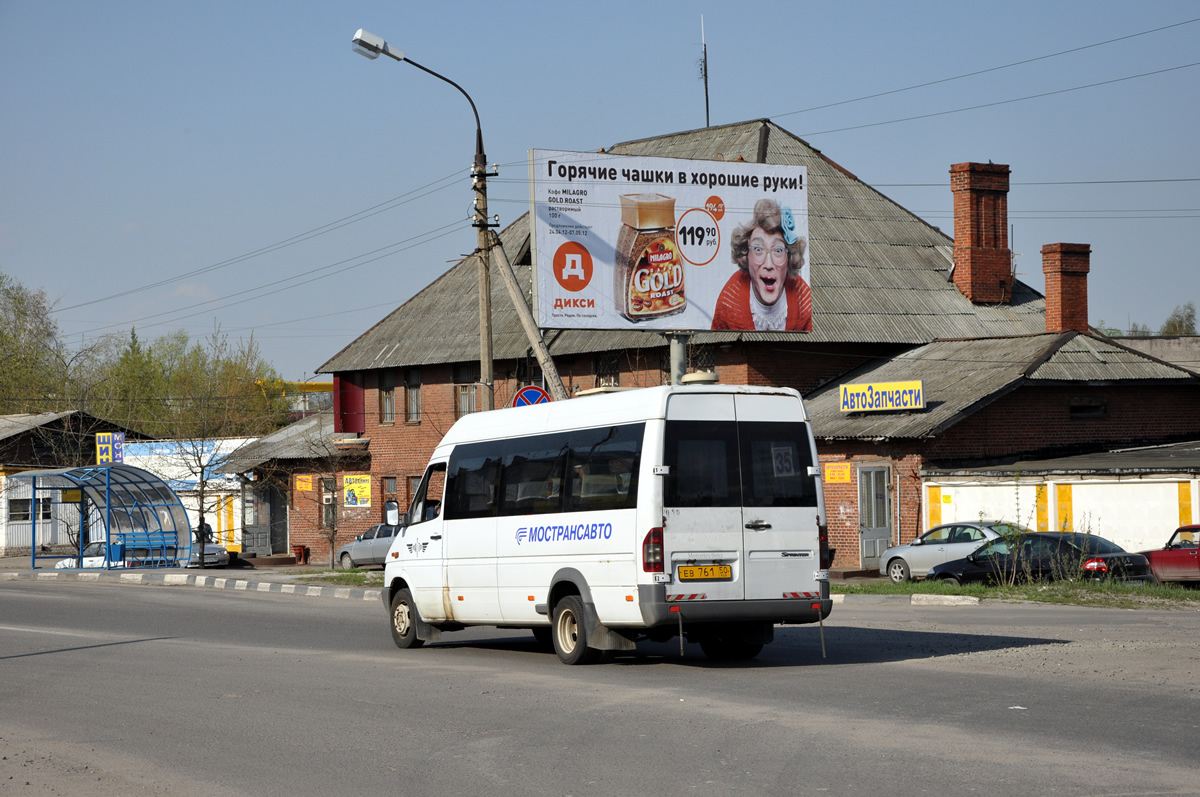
<point x="570" y="632"/>
<point x="404" y="621"/>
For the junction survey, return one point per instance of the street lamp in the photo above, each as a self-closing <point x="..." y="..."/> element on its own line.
<point x="372" y="46"/>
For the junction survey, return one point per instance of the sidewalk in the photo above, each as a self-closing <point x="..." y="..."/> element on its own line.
<point x="242" y="576"/>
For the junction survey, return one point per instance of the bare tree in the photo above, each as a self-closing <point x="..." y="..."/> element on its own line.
<point x="1181" y="321"/>
<point x="309" y="451"/>
<point x="215" y="393"/>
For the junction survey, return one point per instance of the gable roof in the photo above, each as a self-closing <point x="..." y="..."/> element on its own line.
<point x="14" y="425"/>
<point x="308" y="438"/>
<point x="961" y="377"/>
<point x="880" y="274"/>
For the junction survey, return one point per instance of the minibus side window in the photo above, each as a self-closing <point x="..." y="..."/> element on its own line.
<point x="703" y="460"/>
<point x="427" y="502"/>
<point x="532" y="475"/>
<point x="775" y="460"/>
<point x="603" y="467"/>
<point x="472" y="481"/>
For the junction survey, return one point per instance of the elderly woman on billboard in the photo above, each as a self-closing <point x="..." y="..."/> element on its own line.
<point x="767" y="291"/>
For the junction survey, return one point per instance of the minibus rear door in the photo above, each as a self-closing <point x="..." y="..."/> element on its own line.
<point x="779" y="498"/>
<point x="702" y="512"/>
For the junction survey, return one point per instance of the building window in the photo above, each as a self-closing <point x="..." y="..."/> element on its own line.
<point x="328" y="503"/>
<point x="19" y="510"/>
<point x="387" y="396"/>
<point x="465" y="377"/>
<point x="530" y="373"/>
<point x="464" y="400"/>
<point x="389" y="487"/>
<point x="608" y="369"/>
<point x="412" y="395"/>
<point x="873" y="498"/>
<point x="702" y="357"/>
<point x="1083" y="408"/>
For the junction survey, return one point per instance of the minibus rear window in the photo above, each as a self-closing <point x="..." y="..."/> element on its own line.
<point x="727" y="463"/>
<point x="775" y="460"/>
<point x="702" y="461"/>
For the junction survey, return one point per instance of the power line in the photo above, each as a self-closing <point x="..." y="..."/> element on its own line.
<point x="1001" y="102"/>
<point x="443" y="231"/>
<point x="295" y="239"/>
<point x="1050" y="182"/>
<point x="985" y="71"/>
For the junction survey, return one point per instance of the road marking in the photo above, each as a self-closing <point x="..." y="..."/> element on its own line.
<point x="45" y="631"/>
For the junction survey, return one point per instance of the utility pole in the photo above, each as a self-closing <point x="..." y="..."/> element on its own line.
<point x="372" y="46"/>
<point x="479" y="175"/>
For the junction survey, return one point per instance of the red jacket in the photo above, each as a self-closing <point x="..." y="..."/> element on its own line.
<point x="733" y="305"/>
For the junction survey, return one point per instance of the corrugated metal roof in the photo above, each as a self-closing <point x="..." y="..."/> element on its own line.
<point x="879" y="274"/>
<point x="307" y="438"/>
<point x="1172" y="458"/>
<point x="1087" y="358"/>
<point x="13" y="425"/>
<point x="961" y="376"/>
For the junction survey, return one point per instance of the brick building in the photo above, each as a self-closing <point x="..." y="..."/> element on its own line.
<point x="1006" y="370"/>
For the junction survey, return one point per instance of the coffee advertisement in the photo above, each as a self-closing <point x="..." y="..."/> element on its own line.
<point x="627" y="242"/>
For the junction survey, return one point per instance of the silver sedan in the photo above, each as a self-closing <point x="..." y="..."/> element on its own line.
<point x="940" y="544"/>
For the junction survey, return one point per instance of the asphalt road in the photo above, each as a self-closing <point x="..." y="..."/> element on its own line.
<point x="122" y="689"/>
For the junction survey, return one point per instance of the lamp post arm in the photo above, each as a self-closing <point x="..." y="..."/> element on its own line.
<point x="480" y="158"/>
<point x="372" y="46"/>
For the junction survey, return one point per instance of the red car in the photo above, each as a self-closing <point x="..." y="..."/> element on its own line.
<point x="1178" y="560"/>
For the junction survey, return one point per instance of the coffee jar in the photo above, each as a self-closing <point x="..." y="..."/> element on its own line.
<point x="649" y="270"/>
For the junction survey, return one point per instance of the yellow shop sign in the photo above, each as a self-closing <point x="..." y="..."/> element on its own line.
<point x="876" y="396"/>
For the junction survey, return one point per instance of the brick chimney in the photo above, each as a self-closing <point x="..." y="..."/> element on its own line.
<point x="1066" y="267"/>
<point x="982" y="260"/>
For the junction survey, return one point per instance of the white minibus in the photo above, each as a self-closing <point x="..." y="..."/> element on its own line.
<point x="608" y="519"/>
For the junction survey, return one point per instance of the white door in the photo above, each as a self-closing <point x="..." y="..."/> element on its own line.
<point x="702" y="511"/>
<point x="779" y="498"/>
<point x="874" y="516"/>
<point x="420" y="545"/>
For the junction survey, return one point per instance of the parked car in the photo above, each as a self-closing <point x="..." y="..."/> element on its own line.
<point x="1179" y="559"/>
<point x="1045" y="556"/>
<point x="214" y="555"/>
<point x="940" y="544"/>
<point x="93" y="556"/>
<point x="368" y="548"/>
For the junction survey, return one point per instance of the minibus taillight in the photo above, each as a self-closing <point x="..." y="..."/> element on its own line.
<point x="652" y="552"/>
<point x="826" y="551"/>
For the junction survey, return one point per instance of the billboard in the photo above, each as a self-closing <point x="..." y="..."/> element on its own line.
<point x="626" y="242"/>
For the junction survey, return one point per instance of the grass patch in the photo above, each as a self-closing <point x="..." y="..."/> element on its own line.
<point x="343" y="578"/>
<point x="1112" y="595"/>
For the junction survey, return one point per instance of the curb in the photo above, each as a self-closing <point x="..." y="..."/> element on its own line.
<point x="363" y="594"/>
<point x="907" y="600"/>
<point x="190" y="580"/>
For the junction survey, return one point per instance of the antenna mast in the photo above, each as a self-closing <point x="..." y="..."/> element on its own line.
<point x="704" y="68"/>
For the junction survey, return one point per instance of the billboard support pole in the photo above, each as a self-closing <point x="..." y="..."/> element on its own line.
<point x="679" y="343"/>
<point x="549" y="371"/>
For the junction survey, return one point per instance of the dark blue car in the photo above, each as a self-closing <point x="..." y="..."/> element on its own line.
<point x="1044" y="556"/>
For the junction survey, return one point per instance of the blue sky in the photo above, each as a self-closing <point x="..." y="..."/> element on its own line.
<point x="236" y="164"/>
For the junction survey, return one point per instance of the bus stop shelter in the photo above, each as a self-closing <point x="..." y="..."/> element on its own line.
<point x="135" y="514"/>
